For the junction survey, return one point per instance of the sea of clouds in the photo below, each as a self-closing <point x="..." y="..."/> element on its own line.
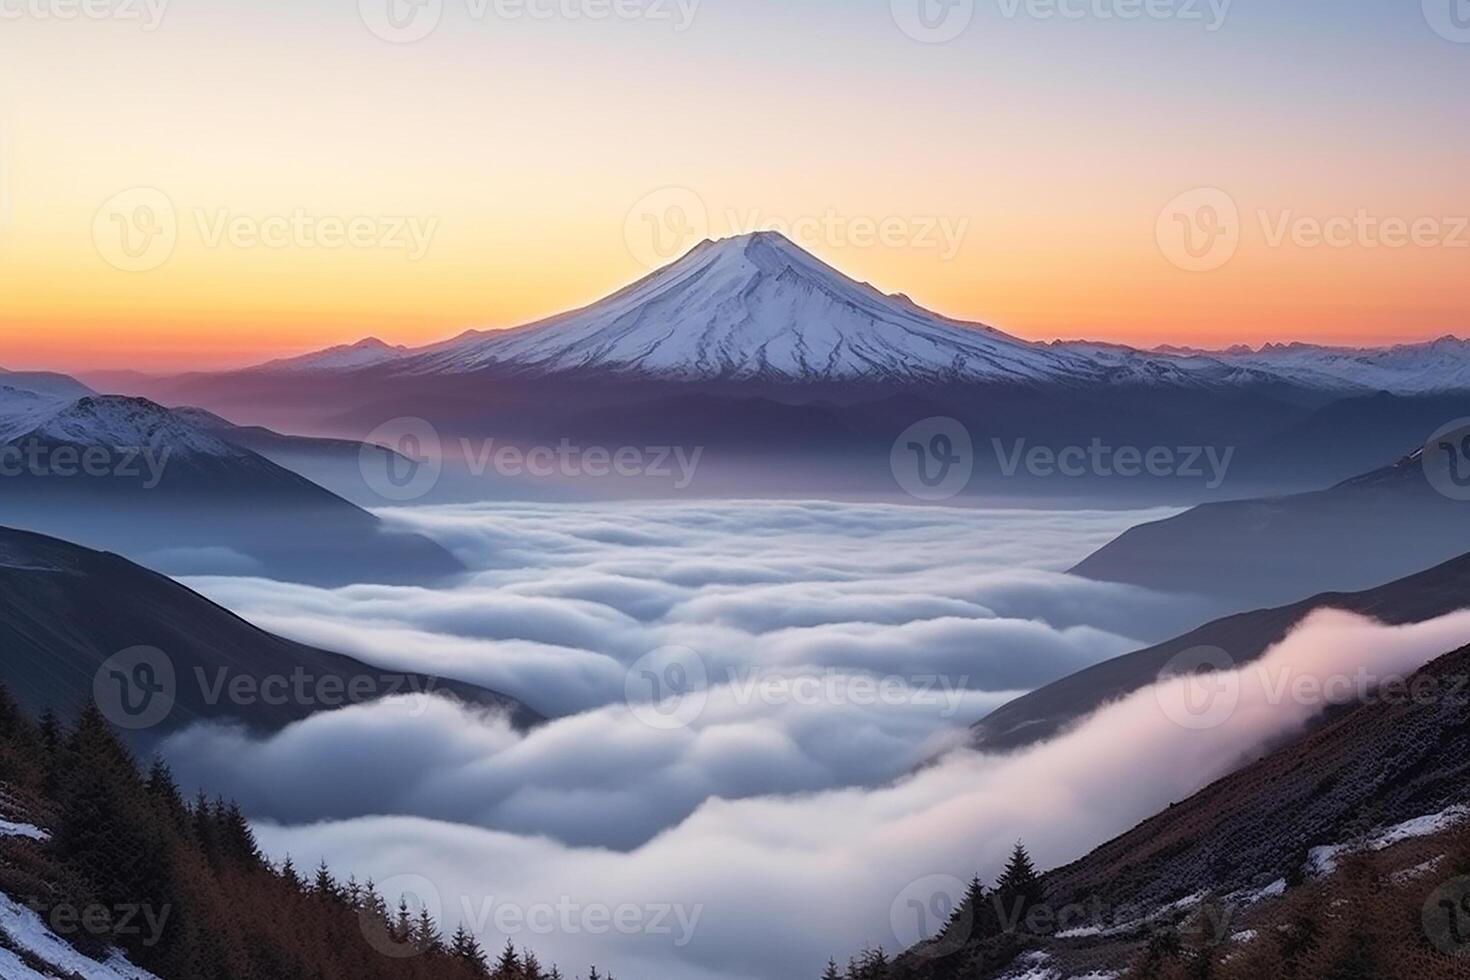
<point x="748" y="832"/>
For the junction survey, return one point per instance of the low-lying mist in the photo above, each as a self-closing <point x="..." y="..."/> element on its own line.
<point x="771" y="825"/>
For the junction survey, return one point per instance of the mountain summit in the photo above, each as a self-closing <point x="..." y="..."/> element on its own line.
<point x="758" y="307"/>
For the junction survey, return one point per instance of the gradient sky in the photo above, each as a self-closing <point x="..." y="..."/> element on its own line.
<point x="530" y="143"/>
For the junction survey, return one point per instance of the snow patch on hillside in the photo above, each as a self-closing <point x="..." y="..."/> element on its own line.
<point x="1324" y="860"/>
<point x="22" y="928"/>
<point x="10" y="829"/>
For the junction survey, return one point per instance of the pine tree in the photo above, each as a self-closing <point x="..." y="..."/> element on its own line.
<point x="508" y="967"/>
<point x="324" y="886"/>
<point x="1019" y="888"/>
<point x="237" y="840"/>
<point x="289" y="875"/>
<point x="50" y="732"/>
<point x="164" y="793"/>
<point x="875" y="964"/>
<point x="205" y="832"/>
<point x="373" y="907"/>
<point x="402" y="931"/>
<point x="426" y="937"/>
<point x="531" y="968"/>
<point x="831" y="972"/>
<point x="964" y="921"/>
<point x="466" y="948"/>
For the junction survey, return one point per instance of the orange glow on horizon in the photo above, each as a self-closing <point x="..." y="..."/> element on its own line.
<point x="525" y="185"/>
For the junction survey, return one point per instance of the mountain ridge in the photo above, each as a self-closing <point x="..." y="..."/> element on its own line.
<point x="759" y="307"/>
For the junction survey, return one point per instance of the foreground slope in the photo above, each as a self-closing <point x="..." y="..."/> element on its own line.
<point x="1347" y="835"/>
<point x="64" y="610"/>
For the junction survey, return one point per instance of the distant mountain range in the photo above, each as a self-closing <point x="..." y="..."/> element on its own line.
<point x="65" y="610"/>
<point x="755" y="349"/>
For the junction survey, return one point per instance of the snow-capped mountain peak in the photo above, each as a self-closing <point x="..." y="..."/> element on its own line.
<point x="757" y="307"/>
<point x="109" y="421"/>
<point x="754" y="306"/>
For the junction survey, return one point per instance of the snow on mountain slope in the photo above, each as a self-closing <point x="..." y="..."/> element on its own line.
<point x="28" y="933"/>
<point x="110" y="421"/>
<point x="759" y="307"/>
<point x="1436" y="366"/>
<point x="345" y="357"/>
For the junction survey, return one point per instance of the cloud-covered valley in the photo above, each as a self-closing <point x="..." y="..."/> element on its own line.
<point x="793" y="802"/>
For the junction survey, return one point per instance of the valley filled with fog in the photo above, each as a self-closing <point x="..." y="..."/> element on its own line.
<point x="758" y="717"/>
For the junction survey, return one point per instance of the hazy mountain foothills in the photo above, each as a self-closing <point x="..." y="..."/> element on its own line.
<point x="750" y="347"/>
<point x="1242" y="638"/>
<point x="1341" y="854"/>
<point x="77" y="625"/>
<point x="1272" y="550"/>
<point x="187" y="492"/>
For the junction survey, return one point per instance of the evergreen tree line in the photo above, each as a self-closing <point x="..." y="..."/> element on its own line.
<point x="984" y="929"/>
<point x="181" y="886"/>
